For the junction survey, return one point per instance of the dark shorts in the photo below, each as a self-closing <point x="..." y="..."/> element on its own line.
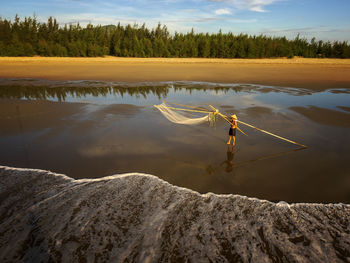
<point x="232" y="132"/>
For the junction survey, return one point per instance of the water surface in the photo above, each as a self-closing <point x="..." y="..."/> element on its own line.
<point x="94" y="129"/>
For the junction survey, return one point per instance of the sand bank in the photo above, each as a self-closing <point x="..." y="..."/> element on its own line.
<point x="317" y="74"/>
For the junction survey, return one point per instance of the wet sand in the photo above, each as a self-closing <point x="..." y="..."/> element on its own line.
<point x="325" y="116"/>
<point x="315" y="74"/>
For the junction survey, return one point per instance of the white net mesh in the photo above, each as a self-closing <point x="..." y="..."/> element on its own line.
<point x="178" y="118"/>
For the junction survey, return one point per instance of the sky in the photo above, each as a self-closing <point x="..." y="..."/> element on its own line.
<point x="322" y="19"/>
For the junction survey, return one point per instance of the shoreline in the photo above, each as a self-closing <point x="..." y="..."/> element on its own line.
<point x="314" y="74"/>
<point x="296" y="60"/>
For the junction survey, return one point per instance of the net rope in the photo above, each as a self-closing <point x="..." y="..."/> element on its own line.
<point x="178" y="118"/>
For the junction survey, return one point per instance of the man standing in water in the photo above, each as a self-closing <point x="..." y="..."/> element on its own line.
<point x="232" y="131"/>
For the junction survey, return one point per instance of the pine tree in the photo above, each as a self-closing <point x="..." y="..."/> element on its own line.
<point x="28" y="37"/>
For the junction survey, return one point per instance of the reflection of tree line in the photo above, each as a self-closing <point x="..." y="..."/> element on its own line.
<point x="63" y="92"/>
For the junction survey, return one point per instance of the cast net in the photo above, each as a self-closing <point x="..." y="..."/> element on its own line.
<point x="173" y="115"/>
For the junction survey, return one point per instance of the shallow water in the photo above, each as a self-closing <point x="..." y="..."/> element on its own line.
<point x="90" y="129"/>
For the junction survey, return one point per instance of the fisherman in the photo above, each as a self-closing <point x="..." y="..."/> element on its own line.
<point x="232" y="131"/>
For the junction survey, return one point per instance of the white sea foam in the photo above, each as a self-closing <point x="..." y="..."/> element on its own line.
<point x="141" y="218"/>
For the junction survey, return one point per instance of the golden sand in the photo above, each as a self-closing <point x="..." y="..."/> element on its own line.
<point x="316" y="74"/>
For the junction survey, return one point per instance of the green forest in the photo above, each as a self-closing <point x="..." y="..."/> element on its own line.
<point x="28" y="37"/>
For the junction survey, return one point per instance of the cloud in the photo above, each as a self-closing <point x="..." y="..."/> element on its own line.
<point x="134" y="147"/>
<point x="253" y="5"/>
<point x="306" y="30"/>
<point x="223" y="11"/>
<point x="320" y="32"/>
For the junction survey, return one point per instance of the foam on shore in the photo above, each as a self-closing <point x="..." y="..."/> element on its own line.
<point x="141" y="218"/>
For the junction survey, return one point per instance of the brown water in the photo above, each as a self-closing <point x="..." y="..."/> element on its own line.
<point x="88" y="130"/>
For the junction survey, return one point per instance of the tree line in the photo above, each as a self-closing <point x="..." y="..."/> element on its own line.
<point x="28" y="37"/>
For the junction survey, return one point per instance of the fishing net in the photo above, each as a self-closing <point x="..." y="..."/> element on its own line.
<point x="176" y="117"/>
<point x="173" y="115"/>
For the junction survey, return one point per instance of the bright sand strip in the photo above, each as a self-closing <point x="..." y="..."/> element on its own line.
<point x="316" y="74"/>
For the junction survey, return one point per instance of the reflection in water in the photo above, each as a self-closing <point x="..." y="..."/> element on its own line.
<point x="230" y="166"/>
<point x="270" y="156"/>
<point x="105" y="135"/>
<point x="62" y="93"/>
<point x="62" y="90"/>
<point x="23" y="144"/>
<point x="230" y="156"/>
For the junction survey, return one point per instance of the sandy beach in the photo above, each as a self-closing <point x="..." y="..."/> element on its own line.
<point x="316" y="74"/>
